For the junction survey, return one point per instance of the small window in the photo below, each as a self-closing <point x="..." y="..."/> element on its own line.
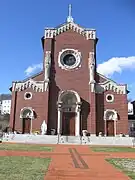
<point x="109" y="98"/>
<point x="28" y="95"/>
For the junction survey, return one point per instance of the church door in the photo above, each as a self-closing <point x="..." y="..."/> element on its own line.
<point x="68" y="123"/>
<point x="26" y="125"/>
<point x="110" y="128"/>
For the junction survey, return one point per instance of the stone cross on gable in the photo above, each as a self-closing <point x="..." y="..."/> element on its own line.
<point x="69" y="18"/>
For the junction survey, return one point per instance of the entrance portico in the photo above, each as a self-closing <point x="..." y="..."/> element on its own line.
<point x="69" y="106"/>
<point x="27" y="115"/>
<point x="110" y="118"/>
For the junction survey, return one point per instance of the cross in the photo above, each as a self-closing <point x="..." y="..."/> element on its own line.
<point x="69" y="18"/>
<point x="69" y="10"/>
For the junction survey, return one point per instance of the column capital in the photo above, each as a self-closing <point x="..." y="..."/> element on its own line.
<point x="78" y="108"/>
<point x="59" y="106"/>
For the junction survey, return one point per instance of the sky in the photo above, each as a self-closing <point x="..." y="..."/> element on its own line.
<point x="22" y="25"/>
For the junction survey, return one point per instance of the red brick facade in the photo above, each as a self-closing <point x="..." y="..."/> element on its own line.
<point x="93" y="104"/>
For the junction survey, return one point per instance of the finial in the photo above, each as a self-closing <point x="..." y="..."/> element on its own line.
<point x="69" y="18"/>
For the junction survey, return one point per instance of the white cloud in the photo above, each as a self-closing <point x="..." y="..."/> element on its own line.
<point x="116" y="64"/>
<point x="32" y="69"/>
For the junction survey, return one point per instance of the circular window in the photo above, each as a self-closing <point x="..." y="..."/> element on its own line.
<point x="109" y="98"/>
<point x="28" y="95"/>
<point x="69" y="60"/>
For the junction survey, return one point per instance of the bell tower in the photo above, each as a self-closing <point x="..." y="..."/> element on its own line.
<point x="69" y="65"/>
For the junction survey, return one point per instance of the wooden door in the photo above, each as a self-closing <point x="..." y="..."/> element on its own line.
<point x="26" y="125"/>
<point x="65" y="124"/>
<point x="68" y="123"/>
<point x="110" y="128"/>
<point x="72" y="125"/>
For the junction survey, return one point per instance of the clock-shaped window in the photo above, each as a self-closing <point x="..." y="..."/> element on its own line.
<point x="69" y="60"/>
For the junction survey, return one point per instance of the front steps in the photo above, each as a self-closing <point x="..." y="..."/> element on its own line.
<point x="84" y="140"/>
<point x="30" y="139"/>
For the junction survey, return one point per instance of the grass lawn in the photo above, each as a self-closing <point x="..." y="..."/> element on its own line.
<point x="24" y="147"/>
<point x="113" y="149"/>
<point x="125" y="165"/>
<point x="23" y="168"/>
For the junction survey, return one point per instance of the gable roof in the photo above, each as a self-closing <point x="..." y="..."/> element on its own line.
<point x="108" y="79"/>
<point x="104" y="77"/>
<point x="30" y="77"/>
<point x="86" y="32"/>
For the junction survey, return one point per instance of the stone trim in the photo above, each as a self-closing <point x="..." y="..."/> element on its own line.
<point x="77" y="110"/>
<point x="112" y="96"/>
<point x="91" y="65"/>
<point x="75" y="53"/>
<point x="37" y="86"/>
<point x="115" y="117"/>
<point x="63" y="93"/>
<point x="87" y="33"/>
<point x="112" y="86"/>
<point x="29" y="115"/>
<point x="26" y="97"/>
<point x="47" y="66"/>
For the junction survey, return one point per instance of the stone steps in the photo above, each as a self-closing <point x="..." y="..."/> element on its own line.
<point x="49" y="139"/>
<point x="28" y="138"/>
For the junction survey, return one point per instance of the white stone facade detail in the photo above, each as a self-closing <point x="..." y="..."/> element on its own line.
<point x="112" y="86"/>
<point x="47" y="66"/>
<point x="112" y="98"/>
<point x="77" y="110"/>
<point x="87" y="33"/>
<point x="28" y="98"/>
<point x="110" y="114"/>
<point x="65" y="52"/>
<point x="91" y="65"/>
<point x="27" y="112"/>
<point x="37" y="86"/>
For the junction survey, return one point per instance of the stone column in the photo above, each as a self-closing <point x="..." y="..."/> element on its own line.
<point x="31" y="121"/>
<point x="105" y="130"/>
<point x="115" y="128"/>
<point x="47" y="66"/>
<point x="92" y="71"/>
<point x="59" y="119"/>
<point x="91" y="67"/>
<point x="30" y="125"/>
<point x="77" y="121"/>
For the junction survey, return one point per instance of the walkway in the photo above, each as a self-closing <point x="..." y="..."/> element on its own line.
<point x="77" y="163"/>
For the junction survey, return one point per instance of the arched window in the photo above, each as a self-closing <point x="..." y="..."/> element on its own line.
<point x="69" y="99"/>
<point x="26" y="112"/>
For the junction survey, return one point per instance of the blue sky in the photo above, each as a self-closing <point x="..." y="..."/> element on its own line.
<point x="22" y="25"/>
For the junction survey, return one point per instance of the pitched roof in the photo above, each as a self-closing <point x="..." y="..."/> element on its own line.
<point x="30" y="77"/>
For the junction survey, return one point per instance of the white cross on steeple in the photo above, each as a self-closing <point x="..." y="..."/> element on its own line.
<point x="69" y="18"/>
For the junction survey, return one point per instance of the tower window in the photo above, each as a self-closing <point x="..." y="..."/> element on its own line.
<point x="69" y="60"/>
<point x="109" y="98"/>
<point x="28" y="95"/>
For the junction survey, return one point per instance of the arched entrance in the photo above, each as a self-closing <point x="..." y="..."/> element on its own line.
<point x="27" y="116"/>
<point x="110" y="117"/>
<point x="69" y="113"/>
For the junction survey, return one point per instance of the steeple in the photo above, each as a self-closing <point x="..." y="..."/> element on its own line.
<point x="69" y="18"/>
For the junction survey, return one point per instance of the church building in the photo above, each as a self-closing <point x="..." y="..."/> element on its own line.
<point x="69" y="95"/>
